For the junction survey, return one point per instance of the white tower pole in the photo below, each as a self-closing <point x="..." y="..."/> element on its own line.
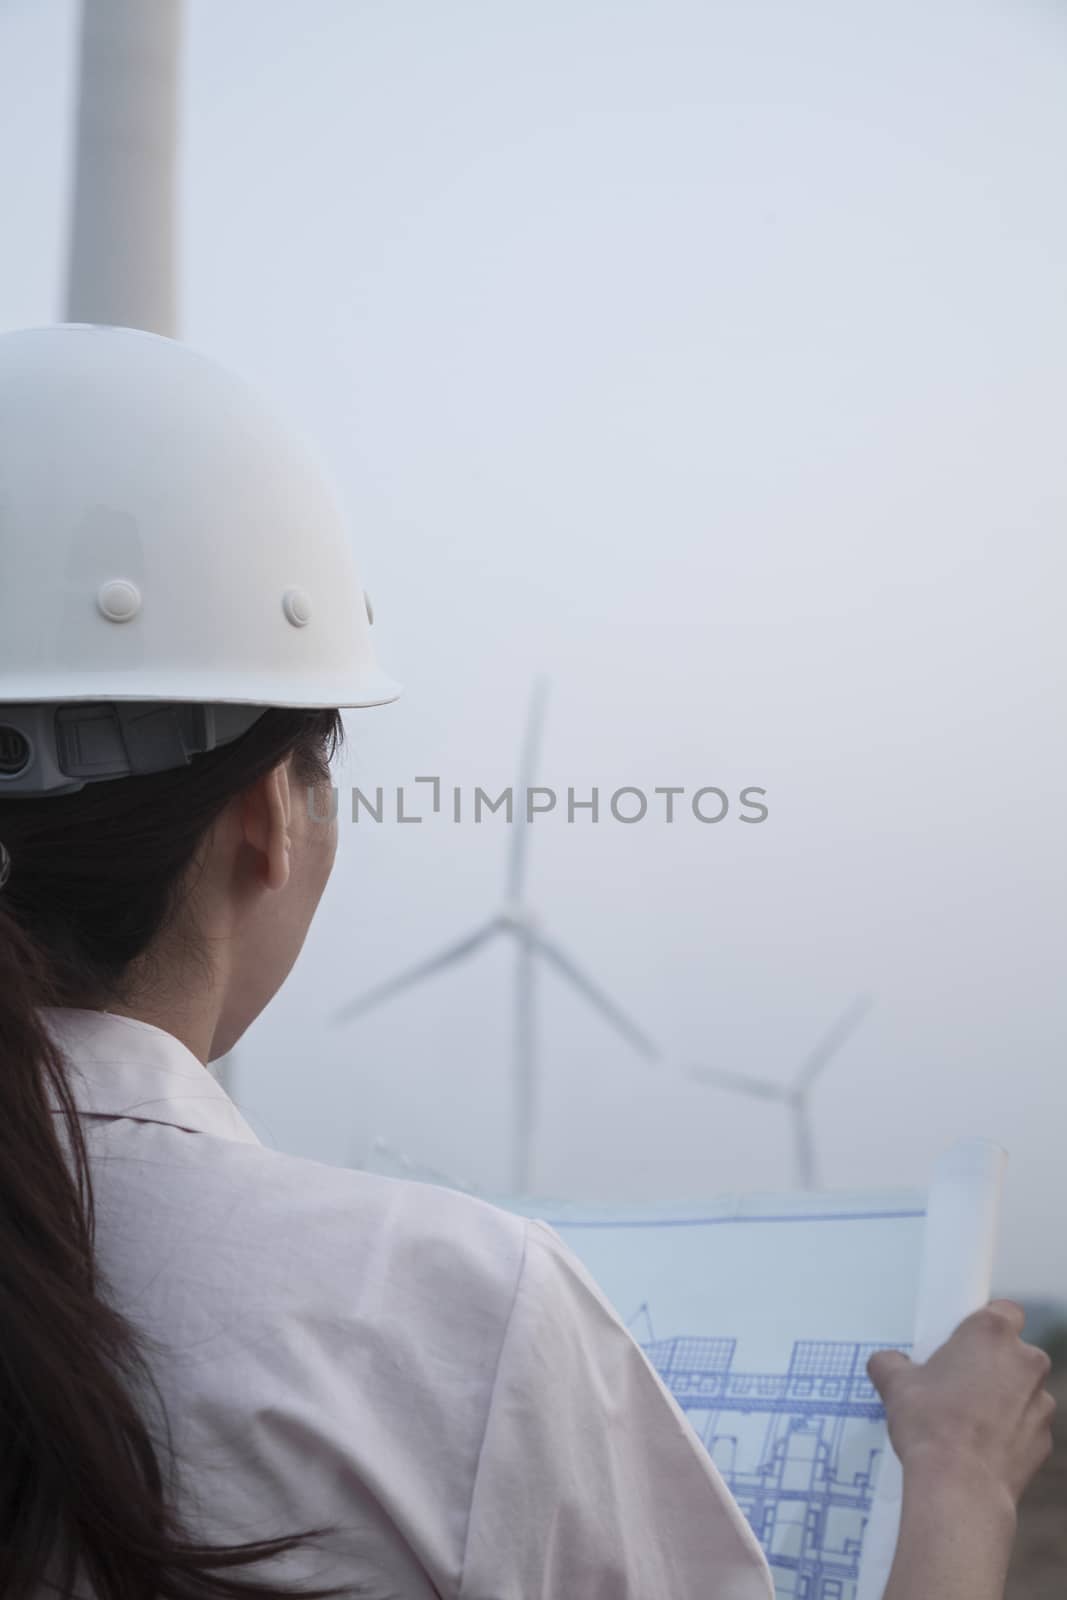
<point x="525" y="1062"/>
<point x="122" y="266"/>
<point x="526" y="1076"/>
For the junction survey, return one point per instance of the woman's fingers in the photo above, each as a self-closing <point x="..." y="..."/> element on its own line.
<point x="1041" y="1365"/>
<point x="981" y="1398"/>
<point x="1011" y="1312"/>
<point x="1038" y="1423"/>
<point x="884" y="1367"/>
<point x="1040" y="1413"/>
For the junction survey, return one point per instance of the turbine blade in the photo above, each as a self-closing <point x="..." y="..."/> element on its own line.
<point x="738" y="1083"/>
<point x="830" y="1044"/>
<point x="447" y="957"/>
<point x="531" y="746"/>
<point x="612" y="1013"/>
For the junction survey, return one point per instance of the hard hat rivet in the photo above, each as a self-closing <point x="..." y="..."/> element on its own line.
<point x="118" y="600"/>
<point x="370" y="608"/>
<point x="297" y="607"/>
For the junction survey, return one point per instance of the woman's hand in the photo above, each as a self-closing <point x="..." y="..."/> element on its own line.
<point x="971" y="1427"/>
<point x="977" y="1408"/>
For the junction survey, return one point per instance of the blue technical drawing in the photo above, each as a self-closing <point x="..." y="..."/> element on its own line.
<point x="799" y="1449"/>
<point x="797" y="1429"/>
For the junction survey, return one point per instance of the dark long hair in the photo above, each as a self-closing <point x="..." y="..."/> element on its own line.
<point x="95" y="876"/>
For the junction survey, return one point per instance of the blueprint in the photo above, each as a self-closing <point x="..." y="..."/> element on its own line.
<point x="759" y="1313"/>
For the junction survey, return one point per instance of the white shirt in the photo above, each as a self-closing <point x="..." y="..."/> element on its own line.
<point x="437" y="1376"/>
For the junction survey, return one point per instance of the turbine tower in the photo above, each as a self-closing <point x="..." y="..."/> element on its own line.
<point x="533" y="946"/>
<point x="795" y="1095"/>
<point x="122" y="266"/>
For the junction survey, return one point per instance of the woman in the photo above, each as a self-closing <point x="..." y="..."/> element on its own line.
<point x="225" y="1371"/>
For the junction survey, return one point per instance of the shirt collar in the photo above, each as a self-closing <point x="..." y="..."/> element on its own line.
<point x="123" y="1067"/>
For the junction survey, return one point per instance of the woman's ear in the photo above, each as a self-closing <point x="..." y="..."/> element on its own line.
<point x="266" y="808"/>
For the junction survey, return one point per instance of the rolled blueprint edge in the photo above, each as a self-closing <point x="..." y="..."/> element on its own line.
<point x="955" y="1279"/>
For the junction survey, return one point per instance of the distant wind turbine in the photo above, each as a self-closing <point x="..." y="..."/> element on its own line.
<point x="795" y="1095"/>
<point x="515" y="920"/>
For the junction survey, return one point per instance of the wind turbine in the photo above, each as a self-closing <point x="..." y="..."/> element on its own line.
<point x="515" y="920"/>
<point x="795" y="1095"/>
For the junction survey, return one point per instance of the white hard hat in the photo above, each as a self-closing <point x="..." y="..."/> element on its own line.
<point x="165" y="542"/>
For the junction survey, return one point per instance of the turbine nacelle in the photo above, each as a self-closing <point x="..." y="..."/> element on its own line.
<point x="513" y="917"/>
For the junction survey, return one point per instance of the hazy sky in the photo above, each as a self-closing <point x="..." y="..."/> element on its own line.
<point x="713" y="360"/>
